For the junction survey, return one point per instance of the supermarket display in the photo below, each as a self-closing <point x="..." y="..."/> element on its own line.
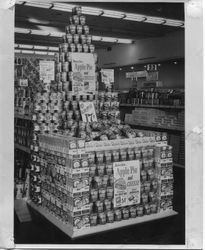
<point x="88" y="169"/>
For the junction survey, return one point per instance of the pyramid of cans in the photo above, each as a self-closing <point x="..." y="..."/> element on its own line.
<point x="77" y="185"/>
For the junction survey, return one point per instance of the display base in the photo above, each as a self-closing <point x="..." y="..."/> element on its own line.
<point x="99" y="228"/>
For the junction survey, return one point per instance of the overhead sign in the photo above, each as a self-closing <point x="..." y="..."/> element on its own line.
<point x="47" y="71"/>
<point x="131" y="75"/>
<point x="83" y="68"/>
<point x="126" y="183"/>
<point x="107" y="75"/>
<point x="152" y="76"/>
<point x="88" y="113"/>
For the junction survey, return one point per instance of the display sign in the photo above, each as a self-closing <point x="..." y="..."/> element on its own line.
<point x="107" y="76"/>
<point x="83" y="68"/>
<point x="47" y="71"/>
<point x="131" y="75"/>
<point x="23" y="82"/>
<point x="126" y="183"/>
<point x="142" y="74"/>
<point x="88" y="113"/>
<point x="152" y="76"/>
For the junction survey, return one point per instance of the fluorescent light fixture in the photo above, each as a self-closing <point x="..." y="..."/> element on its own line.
<point x="113" y="14"/>
<point x="27" y="51"/>
<point x="121" y="40"/>
<point x="60" y="34"/>
<point x="22" y="30"/>
<point x="40" y="47"/>
<point x="53" y="48"/>
<point x="96" y="38"/>
<point x="38" y="4"/>
<point x="63" y="7"/>
<point x="134" y="17"/>
<point x="172" y="22"/>
<point x="91" y="11"/>
<point x="17" y="51"/>
<point x="40" y="52"/>
<point x="25" y="46"/>
<point x="51" y="53"/>
<point x="154" y="20"/>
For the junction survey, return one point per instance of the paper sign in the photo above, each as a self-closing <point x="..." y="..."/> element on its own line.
<point x="107" y="75"/>
<point x="152" y="76"/>
<point x="131" y="75"/>
<point x="88" y="112"/>
<point x="23" y="82"/>
<point x="47" y="71"/>
<point x="83" y="68"/>
<point x="126" y="183"/>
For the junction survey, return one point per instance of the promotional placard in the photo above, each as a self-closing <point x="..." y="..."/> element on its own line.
<point x="107" y="75"/>
<point x="88" y="113"/>
<point x="126" y="183"/>
<point x="47" y="71"/>
<point x="83" y="68"/>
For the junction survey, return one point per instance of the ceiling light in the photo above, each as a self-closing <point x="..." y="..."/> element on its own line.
<point x="175" y="23"/>
<point x="132" y="67"/>
<point x="51" y="53"/>
<point x="155" y="20"/>
<point x="91" y="11"/>
<point x="53" y="48"/>
<point x="40" y="47"/>
<point x="63" y="7"/>
<point x="17" y="51"/>
<point x="60" y="34"/>
<point x="40" y="52"/>
<point x="113" y="14"/>
<point x="175" y="62"/>
<point x="27" y="51"/>
<point x="134" y="17"/>
<point x="38" y="4"/>
<point x="25" y="46"/>
<point x="34" y="20"/>
<point x="120" y="68"/>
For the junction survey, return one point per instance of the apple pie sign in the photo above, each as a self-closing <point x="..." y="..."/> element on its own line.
<point x="126" y="183"/>
<point x="88" y="113"/>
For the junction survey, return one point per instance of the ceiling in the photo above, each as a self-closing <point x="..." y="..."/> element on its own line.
<point x="100" y="26"/>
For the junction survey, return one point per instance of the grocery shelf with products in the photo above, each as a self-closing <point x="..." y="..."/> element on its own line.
<point x="88" y="158"/>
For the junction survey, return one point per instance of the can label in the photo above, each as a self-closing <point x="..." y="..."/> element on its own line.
<point x="82" y="20"/>
<point x="65" y="66"/>
<point x="69" y="38"/>
<point x="86" y="29"/>
<point x="79" y="29"/>
<point x="72" y="47"/>
<point x="76" y="19"/>
<point x="64" y="47"/>
<point x="76" y="38"/>
<point x="83" y="39"/>
<point x="72" y="28"/>
<point x="88" y="39"/>
<point x="62" y="57"/>
<point x="85" y="48"/>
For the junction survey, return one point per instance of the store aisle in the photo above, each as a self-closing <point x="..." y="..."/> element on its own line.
<point x="165" y="231"/>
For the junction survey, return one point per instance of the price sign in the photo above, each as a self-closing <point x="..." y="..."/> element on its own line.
<point x="47" y="71"/>
<point x="126" y="183"/>
<point x="88" y="113"/>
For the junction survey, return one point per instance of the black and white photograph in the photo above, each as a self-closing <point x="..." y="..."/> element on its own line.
<point x="105" y="137"/>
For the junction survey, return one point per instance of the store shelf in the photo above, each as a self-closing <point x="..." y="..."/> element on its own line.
<point x="100" y="228"/>
<point x="25" y="117"/>
<point x="151" y="106"/>
<point x="23" y="148"/>
<point x="156" y="126"/>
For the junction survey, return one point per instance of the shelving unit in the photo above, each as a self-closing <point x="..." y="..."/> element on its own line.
<point x="157" y="126"/>
<point x="151" y="106"/>
<point x="25" y="117"/>
<point x="21" y="147"/>
<point x="100" y="228"/>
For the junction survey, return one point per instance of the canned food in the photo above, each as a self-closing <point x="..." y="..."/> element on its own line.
<point x="123" y="155"/>
<point x="65" y="66"/>
<point x="63" y="76"/>
<point x="69" y="38"/>
<point x="64" y="47"/>
<point x="76" y="19"/>
<point x="93" y="219"/>
<point x="92" y="170"/>
<point x="85" y="29"/>
<point x="59" y="67"/>
<point x="98" y="181"/>
<point x="62" y="56"/>
<point x="125" y="213"/>
<point x="64" y="38"/>
<point x="100" y="169"/>
<point x="104" y="181"/>
<point x="72" y="47"/>
<point x="91" y="156"/>
<point x="77" y="10"/>
<point x="116" y="155"/>
<point x="117" y="215"/>
<point x="76" y="38"/>
<point x="109" y="168"/>
<point x="74" y="105"/>
<point x="99" y="206"/>
<point x="94" y="195"/>
<point x="70" y="76"/>
<point x="140" y="210"/>
<point x="133" y="212"/>
<point x="109" y="193"/>
<point x="144" y="198"/>
<point x="102" y="218"/>
<point x="76" y="163"/>
<point x="147" y="210"/>
<point x="85" y="48"/>
<point x="110" y="216"/>
<point x="83" y="39"/>
<point x="88" y="41"/>
<point x="143" y="174"/>
<point x="101" y="193"/>
<point x="154" y="184"/>
<point x="79" y="48"/>
<point x="153" y="208"/>
<point x="147" y="185"/>
<point x="67" y="29"/>
<point x="72" y="28"/>
<point x="82" y="20"/>
<point x="107" y="204"/>
<point x="130" y="153"/>
<point x="79" y="29"/>
<point x="56" y="57"/>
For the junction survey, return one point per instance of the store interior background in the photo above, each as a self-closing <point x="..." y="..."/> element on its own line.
<point x="153" y="43"/>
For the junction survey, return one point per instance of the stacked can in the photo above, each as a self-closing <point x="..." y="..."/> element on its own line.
<point x="76" y="39"/>
<point x="102" y="189"/>
<point x="164" y="167"/>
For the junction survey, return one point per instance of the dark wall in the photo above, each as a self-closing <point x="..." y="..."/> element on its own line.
<point x="171" y="74"/>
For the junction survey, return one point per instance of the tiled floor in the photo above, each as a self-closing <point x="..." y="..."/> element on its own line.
<point x="165" y="231"/>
